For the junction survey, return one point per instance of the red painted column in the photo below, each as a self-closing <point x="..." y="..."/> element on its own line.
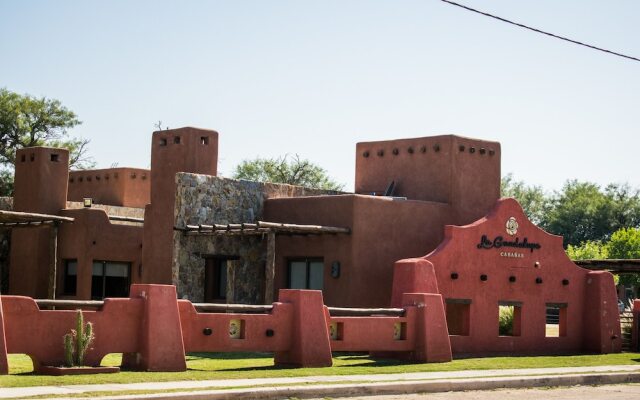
<point x="601" y="314"/>
<point x="4" y="363"/>
<point x="432" y="336"/>
<point x="413" y="275"/>
<point x="310" y="345"/>
<point x="161" y="344"/>
<point x="635" y="333"/>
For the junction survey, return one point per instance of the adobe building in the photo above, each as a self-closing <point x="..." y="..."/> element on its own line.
<point x="233" y="241"/>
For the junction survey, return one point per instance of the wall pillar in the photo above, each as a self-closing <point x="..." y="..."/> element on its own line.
<point x="413" y="275"/>
<point x="432" y="336"/>
<point x="161" y="343"/>
<point x="309" y="345"/>
<point x="4" y="363"/>
<point x="601" y="314"/>
<point x="635" y="332"/>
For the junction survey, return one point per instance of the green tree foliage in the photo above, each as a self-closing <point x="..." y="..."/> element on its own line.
<point x="589" y="250"/>
<point x="27" y="121"/>
<point x="533" y="200"/>
<point x="625" y="244"/>
<point x="582" y="212"/>
<point x="294" y="171"/>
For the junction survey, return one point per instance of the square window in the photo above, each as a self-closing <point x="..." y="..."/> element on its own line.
<point x="176" y="139"/>
<point x="110" y="279"/>
<point x="204" y="140"/>
<point x="55" y="157"/>
<point x="306" y="274"/>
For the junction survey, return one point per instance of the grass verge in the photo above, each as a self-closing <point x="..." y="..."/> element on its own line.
<point x="204" y="366"/>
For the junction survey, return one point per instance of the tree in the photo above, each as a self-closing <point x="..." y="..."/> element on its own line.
<point x="27" y="121"/>
<point x="581" y="212"/>
<point x="590" y="250"/>
<point x="625" y="244"/>
<point x="296" y="171"/>
<point x="533" y="200"/>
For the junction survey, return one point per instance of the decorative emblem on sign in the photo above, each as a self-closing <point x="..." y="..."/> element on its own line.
<point x="512" y="226"/>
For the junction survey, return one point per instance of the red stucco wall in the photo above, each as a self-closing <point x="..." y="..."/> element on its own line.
<point x="530" y="276"/>
<point x="126" y="187"/>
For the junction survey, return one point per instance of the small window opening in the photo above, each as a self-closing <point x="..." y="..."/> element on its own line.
<point x="23" y="158"/>
<point x="70" y="180"/>
<point x="163" y="141"/>
<point x="70" y="279"/>
<point x="97" y="177"/>
<point x="88" y="179"/>
<point x="176" y="139"/>
<point x="204" y="140"/>
<point x="80" y="179"/>
<point x="110" y="279"/>
<point x="509" y="321"/>
<point x="55" y="157"/>
<point x="458" y="316"/>
<point x="32" y="157"/>
<point x="556" y="320"/>
<point x="306" y="274"/>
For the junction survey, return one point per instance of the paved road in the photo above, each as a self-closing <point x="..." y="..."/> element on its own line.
<point x="606" y="392"/>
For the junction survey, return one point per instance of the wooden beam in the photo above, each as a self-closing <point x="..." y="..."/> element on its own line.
<point x="69" y="303"/>
<point x="304" y="228"/>
<point x="18" y="216"/>
<point x="242" y="308"/>
<point x="126" y="219"/>
<point x="618" y="266"/>
<point x="270" y="268"/>
<point x="355" y="312"/>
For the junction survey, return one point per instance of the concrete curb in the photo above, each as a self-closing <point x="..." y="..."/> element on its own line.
<point x="393" y="388"/>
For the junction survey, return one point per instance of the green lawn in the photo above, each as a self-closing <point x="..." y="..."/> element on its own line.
<point x="203" y="366"/>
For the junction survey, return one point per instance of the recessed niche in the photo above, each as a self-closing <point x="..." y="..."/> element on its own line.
<point x="236" y="329"/>
<point x="458" y="316"/>
<point x="336" y="330"/>
<point x="400" y="331"/>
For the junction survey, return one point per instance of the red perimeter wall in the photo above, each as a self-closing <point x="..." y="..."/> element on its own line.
<point x="154" y="330"/>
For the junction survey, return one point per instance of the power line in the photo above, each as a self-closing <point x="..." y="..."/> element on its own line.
<point x="539" y="31"/>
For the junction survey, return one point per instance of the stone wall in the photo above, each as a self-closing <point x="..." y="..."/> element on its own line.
<point x="204" y="199"/>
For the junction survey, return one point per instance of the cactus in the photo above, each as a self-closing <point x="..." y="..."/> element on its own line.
<point x="78" y="341"/>
<point x="68" y="350"/>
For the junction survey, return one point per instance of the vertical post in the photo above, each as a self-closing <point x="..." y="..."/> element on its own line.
<point x="53" y="259"/>
<point x="270" y="269"/>
<point x="232" y="265"/>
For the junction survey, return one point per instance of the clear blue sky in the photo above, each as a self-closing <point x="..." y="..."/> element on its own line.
<point x="314" y="78"/>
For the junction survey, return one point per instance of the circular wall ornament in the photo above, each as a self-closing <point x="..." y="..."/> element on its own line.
<point x="512" y="226"/>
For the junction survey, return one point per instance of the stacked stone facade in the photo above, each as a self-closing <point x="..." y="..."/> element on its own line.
<point x="207" y="200"/>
